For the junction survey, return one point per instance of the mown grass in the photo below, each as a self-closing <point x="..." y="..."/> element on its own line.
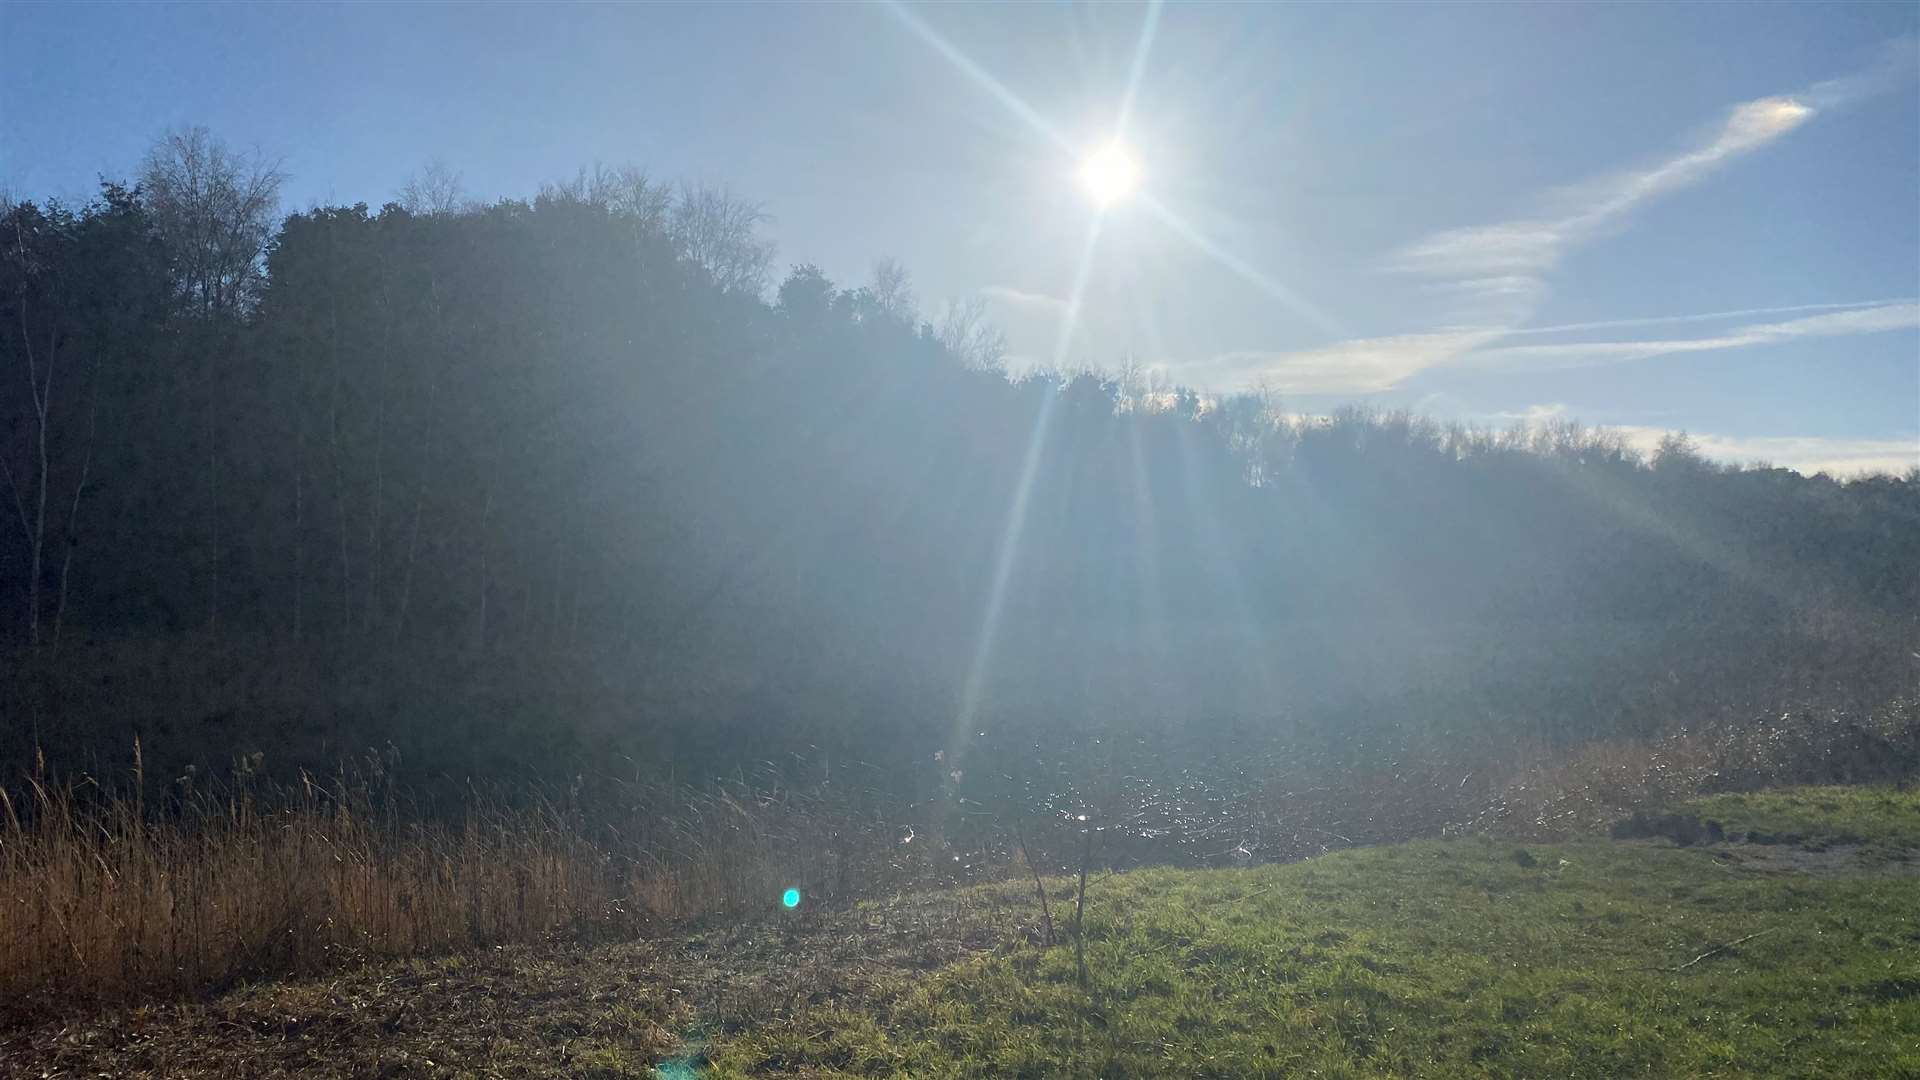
<point x="1880" y="816"/>
<point x="1455" y="958"/>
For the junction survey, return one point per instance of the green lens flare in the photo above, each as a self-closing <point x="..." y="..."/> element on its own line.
<point x="791" y="898"/>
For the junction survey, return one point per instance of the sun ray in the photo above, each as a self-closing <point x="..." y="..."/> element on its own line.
<point x="975" y="685"/>
<point x="978" y="74"/>
<point x="1296" y="303"/>
<point x="1070" y="319"/>
<point x="1149" y="28"/>
<point x="1011" y="533"/>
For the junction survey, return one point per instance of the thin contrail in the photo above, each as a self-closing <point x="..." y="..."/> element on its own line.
<point x="1708" y="316"/>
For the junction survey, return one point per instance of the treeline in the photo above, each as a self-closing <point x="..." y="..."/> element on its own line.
<point x="563" y="480"/>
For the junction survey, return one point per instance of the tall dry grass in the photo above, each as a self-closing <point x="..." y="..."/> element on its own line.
<point x="117" y="893"/>
<point x="150" y="888"/>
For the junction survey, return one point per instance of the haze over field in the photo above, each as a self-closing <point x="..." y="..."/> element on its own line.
<point x="663" y="541"/>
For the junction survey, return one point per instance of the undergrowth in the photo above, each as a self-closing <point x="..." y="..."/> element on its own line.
<point x="163" y="886"/>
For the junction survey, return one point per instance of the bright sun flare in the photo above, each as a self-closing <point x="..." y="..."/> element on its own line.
<point x="1110" y="174"/>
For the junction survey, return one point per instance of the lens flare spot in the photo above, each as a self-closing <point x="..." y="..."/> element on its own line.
<point x="791" y="898"/>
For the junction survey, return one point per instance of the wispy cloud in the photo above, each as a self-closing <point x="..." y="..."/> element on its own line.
<point x="1704" y="316"/>
<point x="1894" y="64"/>
<point x="1370" y="365"/>
<point x="1007" y="294"/>
<point x="1904" y="315"/>
<point x="1496" y="274"/>
<point x="1362" y="365"/>
<point x="1509" y="257"/>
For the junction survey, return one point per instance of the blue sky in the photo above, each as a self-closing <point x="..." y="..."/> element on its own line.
<point x="1483" y="212"/>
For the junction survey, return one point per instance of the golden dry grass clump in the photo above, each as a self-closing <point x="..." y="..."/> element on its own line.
<point x="111" y="893"/>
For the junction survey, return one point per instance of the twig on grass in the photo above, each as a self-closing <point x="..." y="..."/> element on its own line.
<point x="1715" y="951"/>
<point x="1046" y="916"/>
<point x="1080" y="907"/>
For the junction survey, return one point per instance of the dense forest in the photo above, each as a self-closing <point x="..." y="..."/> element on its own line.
<point x="572" y="483"/>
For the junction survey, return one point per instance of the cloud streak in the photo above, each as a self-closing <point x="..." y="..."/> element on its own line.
<point x="1021" y="298"/>
<point x="1704" y="316"/>
<point x="1903" y="315"/>
<point x="1497" y="273"/>
<point x="1509" y="257"/>
<point x="1370" y="365"/>
<point x="1361" y="365"/>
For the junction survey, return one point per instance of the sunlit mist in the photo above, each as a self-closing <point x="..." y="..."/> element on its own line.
<point x="959" y="539"/>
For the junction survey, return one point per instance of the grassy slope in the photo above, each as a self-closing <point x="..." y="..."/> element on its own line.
<point x="1432" y="958"/>
<point x="1435" y="958"/>
<point x="1821" y="815"/>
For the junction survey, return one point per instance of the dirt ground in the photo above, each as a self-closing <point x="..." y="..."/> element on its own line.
<point x="606" y="1011"/>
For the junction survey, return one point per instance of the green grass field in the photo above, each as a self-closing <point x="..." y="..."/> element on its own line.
<point x="1463" y="958"/>
<point x="1435" y="959"/>
<point x="1819" y="815"/>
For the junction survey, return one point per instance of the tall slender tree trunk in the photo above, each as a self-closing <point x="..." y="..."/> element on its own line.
<point x="42" y="406"/>
<point x="486" y="581"/>
<point x="73" y="511"/>
<point x="27" y="531"/>
<point x="19" y="503"/>
<point x="299" y="528"/>
<point x="213" y="531"/>
<point x="375" y="511"/>
<point x="333" y="450"/>
<point x="413" y="530"/>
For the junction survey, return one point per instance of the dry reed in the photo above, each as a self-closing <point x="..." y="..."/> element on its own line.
<point x="117" y="893"/>
<point x="147" y="889"/>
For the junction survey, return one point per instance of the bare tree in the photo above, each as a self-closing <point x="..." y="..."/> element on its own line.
<point x="630" y="192"/>
<point x="73" y="512"/>
<point x="626" y="193"/>
<point x="892" y="291"/>
<point x="39" y="371"/>
<point x="216" y="210"/>
<point x="720" y="233"/>
<point x="435" y="189"/>
<point x="965" y="332"/>
<point x="708" y="226"/>
<point x="625" y="190"/>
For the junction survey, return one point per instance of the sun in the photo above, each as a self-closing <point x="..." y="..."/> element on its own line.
<point x="1110" y="174"/>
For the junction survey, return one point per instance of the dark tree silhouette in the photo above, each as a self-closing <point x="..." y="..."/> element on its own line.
<point x="537" y="483"/>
